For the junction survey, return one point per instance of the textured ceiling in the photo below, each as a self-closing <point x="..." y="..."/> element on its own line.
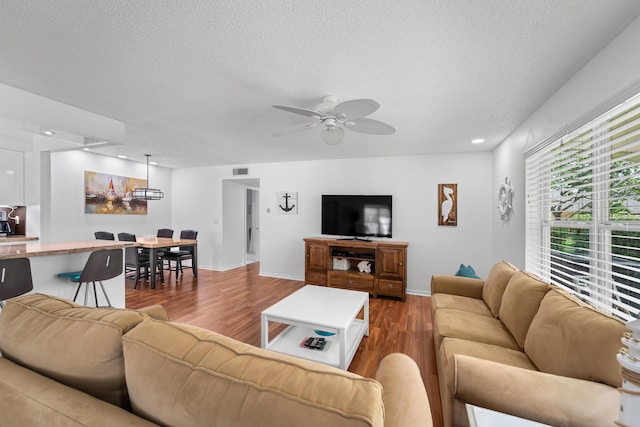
<point x="194" y="81"/>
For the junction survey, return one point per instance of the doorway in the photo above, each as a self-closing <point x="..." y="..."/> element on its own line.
<point x="252" y="226"/>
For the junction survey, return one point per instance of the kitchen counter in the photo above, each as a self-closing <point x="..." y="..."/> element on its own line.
<point x="14" y="239"/>
<point x="49" y="259"/>
<point x="34" y="249"/>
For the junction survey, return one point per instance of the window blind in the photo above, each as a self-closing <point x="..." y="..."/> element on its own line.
<point x="583" y="211"/>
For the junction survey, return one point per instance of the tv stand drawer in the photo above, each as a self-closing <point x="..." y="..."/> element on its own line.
<point x="316" y="278"/>
<point x="392" y="288"/>
<point x="352" y="281"/>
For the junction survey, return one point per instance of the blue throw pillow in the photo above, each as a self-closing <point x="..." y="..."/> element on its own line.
<point x="466" y="271"/>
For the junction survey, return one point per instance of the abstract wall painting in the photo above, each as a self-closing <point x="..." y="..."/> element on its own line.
<point x="112" y="194"/>
<point x="448" y="205"/>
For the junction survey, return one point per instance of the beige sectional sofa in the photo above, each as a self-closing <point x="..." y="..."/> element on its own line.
<point x="68" y="365"/>
<point x="515" y="344"/>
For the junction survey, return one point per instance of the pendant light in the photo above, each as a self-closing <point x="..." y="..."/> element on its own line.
<point x="147" y="193"/>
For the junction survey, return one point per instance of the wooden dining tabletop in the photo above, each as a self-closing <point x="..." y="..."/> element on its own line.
<point x="163" y="242"/>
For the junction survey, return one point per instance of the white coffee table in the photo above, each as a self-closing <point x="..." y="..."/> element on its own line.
<point x="482" y="417"/>
<point x="319" y="308"/>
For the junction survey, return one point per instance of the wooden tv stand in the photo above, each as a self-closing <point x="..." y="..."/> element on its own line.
<point x="388" y="265"/>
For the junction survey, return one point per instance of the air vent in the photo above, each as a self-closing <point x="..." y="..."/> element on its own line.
<point x="241" y="171"/>
<point x="88" y="141"/>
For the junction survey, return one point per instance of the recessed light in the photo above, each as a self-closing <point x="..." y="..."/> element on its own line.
<point x="477" y="141"/>
<point x="47" y="132"/>
<point x="85" y="149"/>
<point x="122" y="157"/>
<point x="153" y="163"/>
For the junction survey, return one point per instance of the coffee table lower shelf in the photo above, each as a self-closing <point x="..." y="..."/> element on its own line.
<point x="288" y="342"/>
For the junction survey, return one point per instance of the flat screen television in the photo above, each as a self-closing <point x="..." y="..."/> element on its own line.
<point x="357" y="216"/>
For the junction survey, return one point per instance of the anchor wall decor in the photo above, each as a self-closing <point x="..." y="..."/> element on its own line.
<point x="287" y="202"/>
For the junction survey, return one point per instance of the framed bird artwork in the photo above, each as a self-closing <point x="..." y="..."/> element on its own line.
<point x="448" y="204"/>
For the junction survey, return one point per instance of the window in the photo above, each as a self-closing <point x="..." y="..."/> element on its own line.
<point x="583" y="211"/>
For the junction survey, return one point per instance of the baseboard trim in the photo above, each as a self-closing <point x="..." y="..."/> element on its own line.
<point x="281" y="276"/>
<point x="418" y="293"/>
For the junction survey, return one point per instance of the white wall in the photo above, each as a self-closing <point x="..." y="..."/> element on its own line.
<point x="55" y="213"/>
<point x="68" y="220"/>
<point x="233" y="209"/>
<point x="412" y="181"/>
<point x="11" y="177"/>
<point x="612" y="72"/>
<point x="197" y="204"/>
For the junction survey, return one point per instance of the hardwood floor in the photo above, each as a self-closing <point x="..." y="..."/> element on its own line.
<point x="230" y="303"/>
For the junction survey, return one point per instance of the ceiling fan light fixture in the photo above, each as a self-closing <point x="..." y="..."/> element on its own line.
<point x="332" y="136"/>
<point x="330" y="124"/>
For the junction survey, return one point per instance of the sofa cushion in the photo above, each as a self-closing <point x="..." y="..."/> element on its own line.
<point x="77" y="346"/>
<point x="520" y="302"/>
<point x="471" y="326"/>
<point x="506" y="356"/>
<point x="466" y="271"/>
<point x="570" y="338"/>
<point x="495" y="283"/>
<point x="183" y="375"/>
<point x="458" y="302"/>
<point x="30" y="399"/>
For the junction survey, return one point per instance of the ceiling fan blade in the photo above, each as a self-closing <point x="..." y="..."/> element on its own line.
<point x="296" y="128"/>
<point x="355" y="109"/>
<point x="370" y="126"/>
<point x="301" y="111"/>
<point x="332" y="136"/>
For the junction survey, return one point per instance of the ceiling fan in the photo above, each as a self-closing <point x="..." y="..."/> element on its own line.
<point x="336" y="116"/>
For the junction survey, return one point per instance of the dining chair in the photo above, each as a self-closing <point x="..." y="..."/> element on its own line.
<point x="102" y="265"/>
<point x="15" y="278"/>
<point x="183" y="253"/>
<point x="104" y="235"/>
<point x="165" y="232"/>
<point x="135" y="259"/>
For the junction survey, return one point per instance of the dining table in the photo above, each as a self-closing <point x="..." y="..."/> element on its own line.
<point x="157" y="244"/>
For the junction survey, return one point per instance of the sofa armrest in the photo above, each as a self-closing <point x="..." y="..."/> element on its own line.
<point x="405" y="399"/>
<point x="539" y="396"/>
<point x="457" y="285"/>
